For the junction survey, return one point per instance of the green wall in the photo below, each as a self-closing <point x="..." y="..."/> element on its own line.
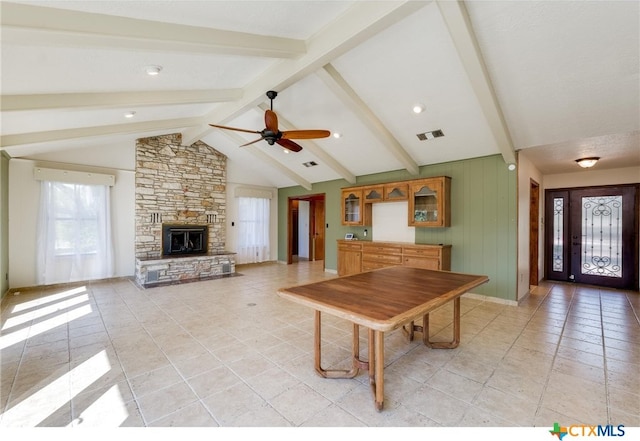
<point x="483" y="231"/>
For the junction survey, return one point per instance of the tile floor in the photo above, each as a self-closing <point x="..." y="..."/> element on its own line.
<point x="230" y="352"/>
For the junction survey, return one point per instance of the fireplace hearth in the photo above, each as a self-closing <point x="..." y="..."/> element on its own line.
<point x="184" y="239"/>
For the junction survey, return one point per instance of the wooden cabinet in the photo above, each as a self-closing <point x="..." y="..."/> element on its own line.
<point x="358" y="256"/>
<point x="373" y="194"/>
<point x="352" y="207"/>
<point x="349" y="257"/>
<point x="435" y="257"/>
<point x="396" y="191"/>
<point x="379" y="255"/>
<point x="429" y="202"/>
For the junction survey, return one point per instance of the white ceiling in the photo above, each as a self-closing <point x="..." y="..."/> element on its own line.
<point x="556" y="80"/>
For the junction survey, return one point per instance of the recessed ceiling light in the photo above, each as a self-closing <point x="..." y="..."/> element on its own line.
<point x="337" y="135"/>
<point x="285" y="151"/>
<point x="153" y="70"/>
<point x="129" y="114"/>
<point x="418" y="108"/>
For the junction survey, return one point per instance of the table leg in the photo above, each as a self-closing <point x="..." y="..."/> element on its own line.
<point x="456" y="329"/>
<point x="372" y="358"/>
<point x="379" y="369"/>
<point x="337" y="373"/>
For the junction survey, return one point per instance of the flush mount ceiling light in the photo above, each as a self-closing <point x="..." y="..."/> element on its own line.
<point x="337" y="135"/>
<point x="418" y="108"/>
<point x="587" y="162"/>
<point x="129" y="114"/>
<point x="430" y="135"/>
<point x="153" y="70"/>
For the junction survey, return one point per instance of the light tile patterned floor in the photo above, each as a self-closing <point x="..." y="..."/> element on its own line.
<point x="230" y="352"/>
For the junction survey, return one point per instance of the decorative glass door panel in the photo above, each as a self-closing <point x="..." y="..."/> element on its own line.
<point x="558" y="234"/>
<point x="591" y="236"/>
<point x="601" y="236"/>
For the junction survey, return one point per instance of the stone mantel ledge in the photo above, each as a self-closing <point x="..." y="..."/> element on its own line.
<point x="164" y="259"/>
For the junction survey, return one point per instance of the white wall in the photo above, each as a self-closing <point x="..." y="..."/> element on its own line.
<point x="593" y="177"/>
<point x="527" y="172"/>
<point x="24" y="198"/>
<point x="303" y="229"/>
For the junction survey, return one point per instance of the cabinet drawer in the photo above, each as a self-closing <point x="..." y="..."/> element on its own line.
<point x="377" y="257"/>
<point x="381" y="249"/>
<point x="422" y="262"/>
<point x="349" y="246"/>
<point x="368" y="266"/>
<point x="422" y="251"/>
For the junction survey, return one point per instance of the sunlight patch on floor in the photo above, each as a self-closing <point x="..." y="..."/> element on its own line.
<point x="8" y="339"/>
<point x="107" y="411"/>
<point x="37" y="407"/>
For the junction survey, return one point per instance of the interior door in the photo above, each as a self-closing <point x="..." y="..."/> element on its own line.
<point x="592" y="236"/>
<point x="317" y="230"/>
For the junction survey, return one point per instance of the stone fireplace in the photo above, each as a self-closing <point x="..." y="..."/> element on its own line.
<point x="181" y="188"/>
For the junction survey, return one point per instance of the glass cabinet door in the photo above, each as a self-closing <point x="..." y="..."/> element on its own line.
<point x="425" y="205"/>
<point x="429" y="201"/>
<point x="352" y="208"/>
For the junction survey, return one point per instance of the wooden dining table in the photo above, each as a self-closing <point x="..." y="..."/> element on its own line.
<point x="381" y="301"/>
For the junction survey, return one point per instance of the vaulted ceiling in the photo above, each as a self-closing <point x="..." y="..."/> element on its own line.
<point x="554" y="81"/>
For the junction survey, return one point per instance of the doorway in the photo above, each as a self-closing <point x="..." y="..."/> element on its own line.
<point x="592" y="236"/>
<point x="313" y="237"/>
<point x="534" y="231"/>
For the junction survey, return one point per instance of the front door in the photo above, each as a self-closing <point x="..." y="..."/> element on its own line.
<point x="592" y="236"/>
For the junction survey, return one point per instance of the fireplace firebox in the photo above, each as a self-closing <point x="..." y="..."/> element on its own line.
<point x="184" y="239"/>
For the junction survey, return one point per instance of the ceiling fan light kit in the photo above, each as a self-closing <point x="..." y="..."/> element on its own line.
<point x="273" y="135"/>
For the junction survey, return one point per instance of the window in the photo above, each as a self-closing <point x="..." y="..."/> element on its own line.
<point x="253" y="230"/>
<point x="74" y="234"/>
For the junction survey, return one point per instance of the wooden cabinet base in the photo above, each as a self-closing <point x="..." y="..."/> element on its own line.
<point x="358" y="256"/>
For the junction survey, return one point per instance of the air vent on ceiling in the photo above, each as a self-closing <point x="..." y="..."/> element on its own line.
<point x="310" y="163"/>
<point x="430" y="135"/>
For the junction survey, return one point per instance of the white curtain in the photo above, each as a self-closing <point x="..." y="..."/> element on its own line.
<point x="74" y="233"/>
<point x="253" y="230"/>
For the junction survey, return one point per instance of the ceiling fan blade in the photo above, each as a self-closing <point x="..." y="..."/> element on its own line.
<point x="305" y="134"/>
<point x="235" y="128"/>
<point x="287" y="144"/>
<point x="252" y="142"/>
<point x="271" y="121"/>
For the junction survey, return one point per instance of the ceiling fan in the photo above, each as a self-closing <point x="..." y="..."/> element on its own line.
<point x="272" y="135"/>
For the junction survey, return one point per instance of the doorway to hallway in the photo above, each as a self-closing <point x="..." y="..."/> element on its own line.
<point x="306" y="228"/>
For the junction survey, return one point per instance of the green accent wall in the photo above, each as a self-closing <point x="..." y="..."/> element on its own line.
<point x="483" y="231"/>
